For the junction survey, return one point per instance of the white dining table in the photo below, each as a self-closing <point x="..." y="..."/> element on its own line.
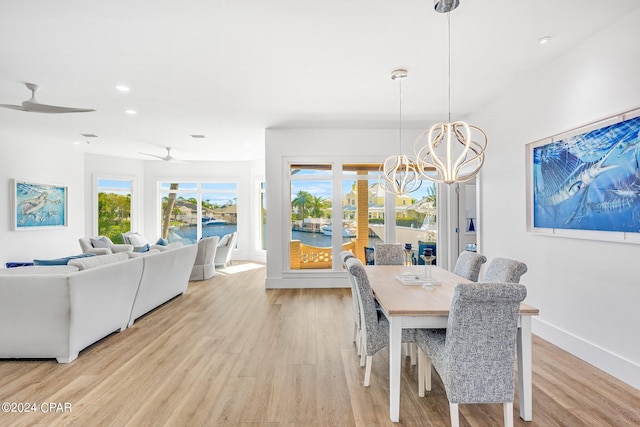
<point x="412" y="306"/>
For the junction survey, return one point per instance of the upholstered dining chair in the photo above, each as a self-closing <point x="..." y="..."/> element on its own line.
<point x="204" y="267"/>
<point x="374" y="325"/>
<point x="468" y="265"/>
<point x="504" y="270"/>
<point x="344" y="256"/>
<point x="475" y="355"/>
<point x="388" y="254"/>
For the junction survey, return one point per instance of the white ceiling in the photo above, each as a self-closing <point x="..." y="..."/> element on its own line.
<point x="229" y="69"/>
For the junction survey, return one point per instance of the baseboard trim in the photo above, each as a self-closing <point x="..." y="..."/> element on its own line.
<point x="623" y="369"/>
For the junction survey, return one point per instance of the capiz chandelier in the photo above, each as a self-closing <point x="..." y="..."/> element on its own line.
<point x="454" y="151"/>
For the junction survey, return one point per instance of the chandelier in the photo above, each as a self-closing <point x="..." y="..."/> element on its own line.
<point x="453" y="151"/>
<point x="399" y="174"/>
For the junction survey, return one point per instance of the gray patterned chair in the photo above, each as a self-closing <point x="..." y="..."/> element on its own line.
<point x="344" y="256"/>
<point x="374" y="325"/>
<point x="468" y="265"/>
<point x="504" y="270"/>
<point x="388" y="254"/>
<point x="475" y="355"/>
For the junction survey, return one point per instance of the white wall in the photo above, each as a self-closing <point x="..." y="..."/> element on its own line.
<point x="587" y="291"/>
<point x="47" y="162"/>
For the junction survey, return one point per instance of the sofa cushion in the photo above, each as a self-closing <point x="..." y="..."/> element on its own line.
<point x="60" y="261"/>
<point x="101" y="242"/>
<point x="85" y="263"/>
<point x="45" y="269"/>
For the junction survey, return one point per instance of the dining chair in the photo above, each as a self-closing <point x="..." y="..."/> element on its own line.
<point x="374" y="325"/>
<point x="388" y="254"/>
<point x="475" y="355"/>
<point x="504" y="270"/>
<point x="344" y="256"/>
<point x="468" y="265"/>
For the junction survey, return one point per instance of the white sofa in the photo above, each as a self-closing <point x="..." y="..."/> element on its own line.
<point x="56" y="311"/>
<point x="166" y="275"/>
<point x="102" y="245"/>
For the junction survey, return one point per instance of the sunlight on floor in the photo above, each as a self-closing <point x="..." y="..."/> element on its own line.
<point x="239" y="268"/>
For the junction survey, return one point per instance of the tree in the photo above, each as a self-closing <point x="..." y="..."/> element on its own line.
<point x="166" y="215"/>
<point x="302" y="198"/>
<point x="317" y="205"/>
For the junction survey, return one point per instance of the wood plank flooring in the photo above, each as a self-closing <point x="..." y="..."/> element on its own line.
<point x="230" y="353"/>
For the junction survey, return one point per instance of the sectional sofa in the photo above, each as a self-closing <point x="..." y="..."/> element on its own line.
<point x="57" y="311"/>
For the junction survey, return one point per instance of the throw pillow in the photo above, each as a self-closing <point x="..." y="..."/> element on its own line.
<point x="145" y="248"/>
<point x="162" y="242"/>
<point x="101" y="242"/>
<point x="137" y="239"/>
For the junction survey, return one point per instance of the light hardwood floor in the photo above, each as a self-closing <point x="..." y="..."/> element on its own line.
<point x="229" y="352"/>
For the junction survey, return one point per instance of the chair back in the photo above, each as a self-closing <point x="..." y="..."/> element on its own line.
<point x="207" y="247"/>
<point x="468" y="265"/>
<point x="344" y="256"/>
<point x="480" y="342"/>
<point x="368" y="311"/>
<point x="388" y="254"/>
<point x="504" y="270"/>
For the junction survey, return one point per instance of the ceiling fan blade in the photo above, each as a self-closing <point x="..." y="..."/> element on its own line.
<point x="153" y="155"/>
<point x="14" y="107"/>
<point x="36" y="107"/>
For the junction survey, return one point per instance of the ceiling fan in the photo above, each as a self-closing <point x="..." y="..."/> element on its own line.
<point x="167" y="158"/>
<point x="33" y="106"/>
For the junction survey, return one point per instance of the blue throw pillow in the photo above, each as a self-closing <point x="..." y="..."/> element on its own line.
<point x="145" y="248"/>
<point x="59" y="261"/>
<point x="162" y="242"/>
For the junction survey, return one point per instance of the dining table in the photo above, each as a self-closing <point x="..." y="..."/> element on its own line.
<point x="407" y="303"/>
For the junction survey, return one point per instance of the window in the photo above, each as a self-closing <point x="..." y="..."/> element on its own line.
<point x="193" y="210"/>
<point x="416" y="218"/>
<point x="311" y="225"/>
<point x="114" y="207"/>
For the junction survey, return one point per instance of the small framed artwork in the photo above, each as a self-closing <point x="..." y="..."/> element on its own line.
<point x="38" y="206"/>
<point x="585" y="183"/>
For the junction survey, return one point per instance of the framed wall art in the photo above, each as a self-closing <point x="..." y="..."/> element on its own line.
<point x="585" y="183"/>
<point x="38" y="206"/>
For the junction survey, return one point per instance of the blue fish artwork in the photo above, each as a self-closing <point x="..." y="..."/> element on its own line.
<point x="589" y="181"/>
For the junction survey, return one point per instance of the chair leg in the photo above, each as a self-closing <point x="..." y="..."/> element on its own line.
<point x="367" y="371"/>
<point x="427" y="372"/>
<point x="412" y="353"/>
<point x="359" y="342"/>
<point x="455" y="418"/>
<point x="362" y="352"/>
<point x="421" y="363"/>
<point x="508" y="414"/>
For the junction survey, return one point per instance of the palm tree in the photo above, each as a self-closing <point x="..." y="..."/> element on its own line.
<point x="302" y="198"/>
<point x="317" y="206"/>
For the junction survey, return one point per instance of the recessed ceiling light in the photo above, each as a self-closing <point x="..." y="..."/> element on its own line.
<point x="89" y="135"/>
<point x="77" y="142"/>
<point x="197" y="136"/>
<point x="131" y="112"/>
<point x="544" y="40"/>
<point x="122" y="88"/>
